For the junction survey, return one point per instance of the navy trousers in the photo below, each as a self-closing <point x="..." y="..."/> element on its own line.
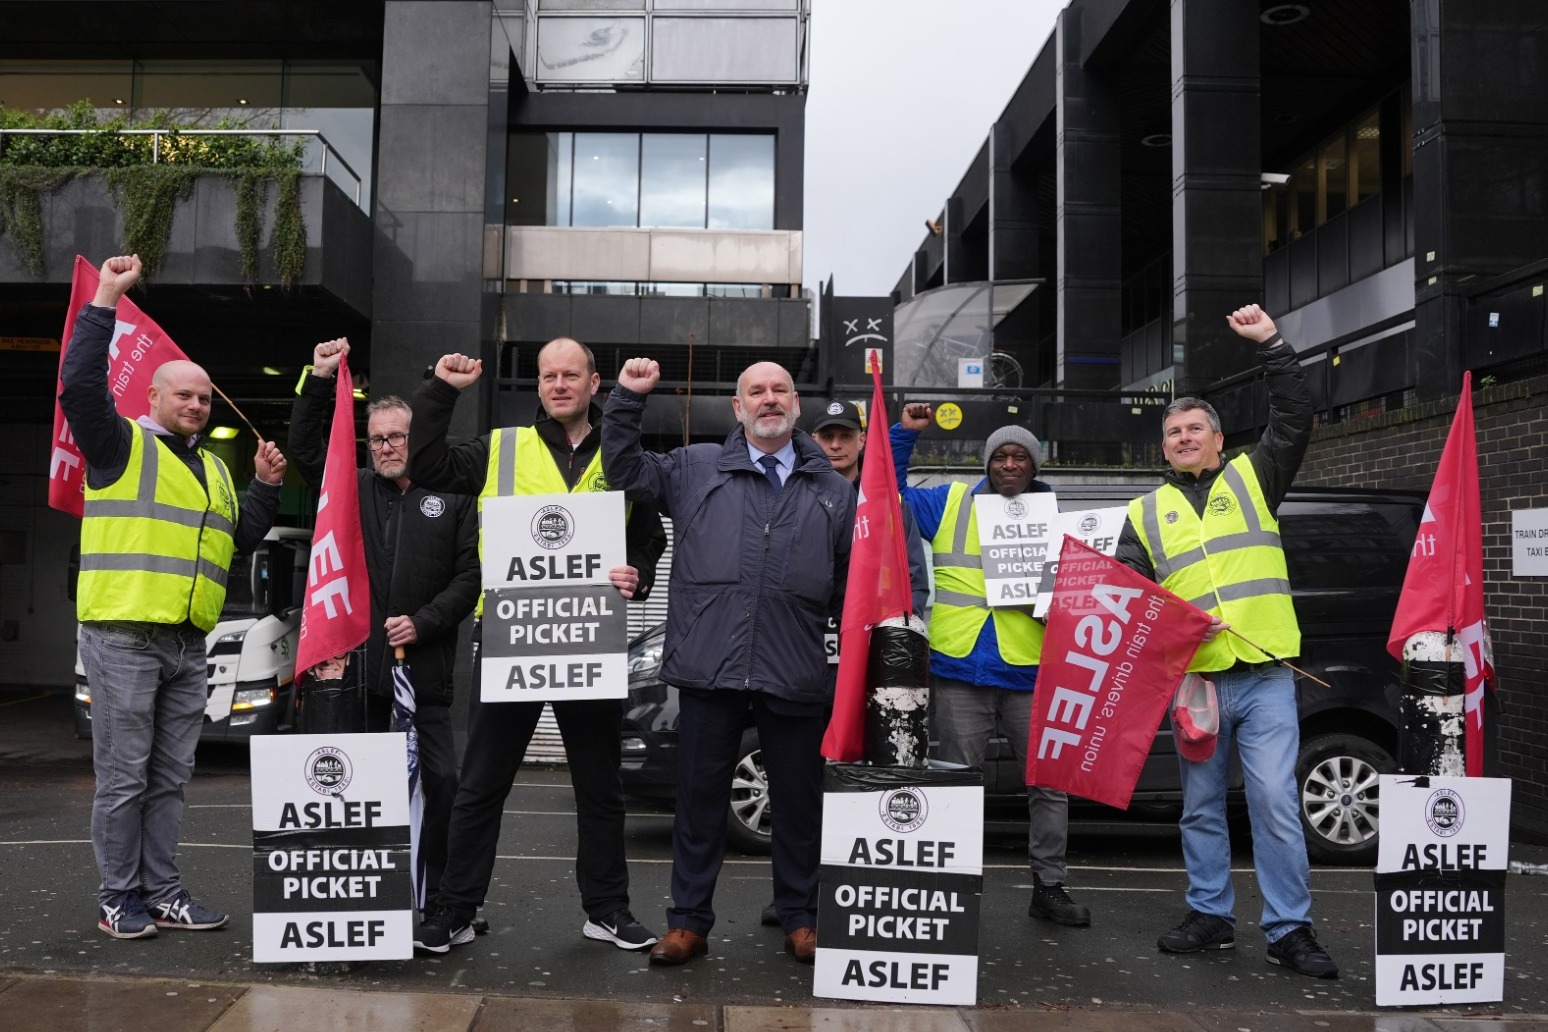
<point x="709" y="731"/>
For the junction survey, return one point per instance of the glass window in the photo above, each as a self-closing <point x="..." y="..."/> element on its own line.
<point x="734" y="289"/>
<point x="741" y="182"/>
<point x="607" y="179"/>
<point x="1365" y="158"/>
<point x="340" y="101"/>
<point x="41" y="87"/>
<point x="595" y="287"/>
<point x="1303" y="199"/>
<point x="538" y="179"/>
<point x="1334" y="167"/>
<point x="672" y="179"/>
<point x="674" y="289"/>
<point x="203" y="92"/>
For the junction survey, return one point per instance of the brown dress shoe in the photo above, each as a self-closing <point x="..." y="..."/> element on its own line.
<point x="802" y="944"/>
<point x="678" y="946"/>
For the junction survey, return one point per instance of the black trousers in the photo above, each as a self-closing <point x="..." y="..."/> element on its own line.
<point x="437" y="775"/>
<point x="498" y="734"/>
<point x="709" y="732"/>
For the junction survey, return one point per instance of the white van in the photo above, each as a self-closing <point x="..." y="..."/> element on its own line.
<point x="252" y="650"/>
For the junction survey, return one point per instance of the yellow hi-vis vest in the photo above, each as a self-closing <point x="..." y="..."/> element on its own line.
<point x="156" y="544"/>
<point x="521" y="464"/>
<point x="960" y="609"/>
<point x="1229" y="563"/>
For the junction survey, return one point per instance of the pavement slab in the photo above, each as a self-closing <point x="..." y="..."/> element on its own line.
<point x="506" y="1014"/>
<point x="267" y="1008"/>
<point x="827" y="1019"/>
<point x="57" y="1004"/>
<point x="1041" y="1019"/>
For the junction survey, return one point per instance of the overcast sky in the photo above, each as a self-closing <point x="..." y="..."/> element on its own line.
<point x="903" y="93"/>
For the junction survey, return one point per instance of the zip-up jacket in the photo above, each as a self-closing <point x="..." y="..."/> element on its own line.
<point x="1275" y="461"/>
<point x="755" y="574"/>
<point x="436" y="464"/>
<point x="421" y="551"/>
<point x="111" y="444"/>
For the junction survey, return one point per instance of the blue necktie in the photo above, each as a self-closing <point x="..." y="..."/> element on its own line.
<point x="771" y="470"/>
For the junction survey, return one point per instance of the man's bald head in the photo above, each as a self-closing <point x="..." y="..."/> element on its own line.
<point x="766" y="405"/>
<point x="180" y="397"/>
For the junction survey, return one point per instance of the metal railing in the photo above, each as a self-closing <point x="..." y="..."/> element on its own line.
<point x="157" y="134"/>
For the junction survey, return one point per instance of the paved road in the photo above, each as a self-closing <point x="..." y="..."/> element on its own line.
<point x="1131" y="877"/>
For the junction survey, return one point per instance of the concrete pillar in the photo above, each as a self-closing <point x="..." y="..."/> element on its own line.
<point x="1217" y="208"/>
<point x="1087" y="214"/>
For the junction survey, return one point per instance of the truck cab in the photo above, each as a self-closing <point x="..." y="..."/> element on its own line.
<point x="252" y="649"/>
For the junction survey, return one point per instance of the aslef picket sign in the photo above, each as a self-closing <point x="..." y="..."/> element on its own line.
<point x="331" y="856"/>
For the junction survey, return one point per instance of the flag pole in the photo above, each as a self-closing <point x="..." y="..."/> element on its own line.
<point x="238" y="411"/>
<point x="1281" y="662"/>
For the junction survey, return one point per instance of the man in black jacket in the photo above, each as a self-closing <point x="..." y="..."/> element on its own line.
<point x="560" y="452"/>
<point x="421" y="550"/>
<point x="764" y="529"/>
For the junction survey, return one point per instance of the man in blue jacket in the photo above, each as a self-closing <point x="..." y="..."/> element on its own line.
<point x="983" y="661"/>
<point x="763" y="531"/>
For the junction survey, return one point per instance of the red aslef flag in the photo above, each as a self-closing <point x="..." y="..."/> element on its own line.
<point x="337" y="615"/>
<point x="1116" y="648"/>
<point x="878" y="581"/>
<point x="138" y="347"/>
<point x="1443" y="590"/>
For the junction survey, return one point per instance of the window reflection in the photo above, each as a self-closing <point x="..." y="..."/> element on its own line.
<point x="681" y="180"/>
<point x="607" y="180"/>
<point x="672" y="178"/>
<point x="741" y="182"/>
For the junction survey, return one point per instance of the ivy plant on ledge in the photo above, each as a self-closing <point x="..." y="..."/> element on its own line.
<point x="146" y="192"/>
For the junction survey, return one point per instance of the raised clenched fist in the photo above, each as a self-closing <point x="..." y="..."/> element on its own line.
<point x="640" y="375"/>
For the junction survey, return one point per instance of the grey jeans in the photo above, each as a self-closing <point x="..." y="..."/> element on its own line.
<point x="148" y="689"/>
<point x="964" y="716"/>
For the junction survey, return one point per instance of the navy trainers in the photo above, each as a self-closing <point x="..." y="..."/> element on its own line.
<point x="180" y="911"/>
<point x="1198" y="932"/>
<point x="123" y="916"/>
<point x="1302" y="953"/>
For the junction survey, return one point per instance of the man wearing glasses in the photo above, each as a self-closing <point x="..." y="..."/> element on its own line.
<point x="421" y="550"/>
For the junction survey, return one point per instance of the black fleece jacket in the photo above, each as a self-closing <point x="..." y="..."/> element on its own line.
<point x="1276" y="459"/>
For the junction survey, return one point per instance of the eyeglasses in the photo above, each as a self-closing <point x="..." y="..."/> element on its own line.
<point x="396" y="440"/>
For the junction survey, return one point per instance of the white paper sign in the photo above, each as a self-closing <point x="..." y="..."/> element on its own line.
<point x="1529" y="543"/>
<point x="1098" y="528"/>
<point x="1440" y="890"/>
<point x="554" y="627"/>
<point x="331" y="864"/>
<point x="901" y="885"/>
<point x="970" y="372"/>
<point x="1014" y="536"/>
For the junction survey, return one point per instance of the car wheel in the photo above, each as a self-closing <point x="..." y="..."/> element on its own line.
<point x="748" y="825"/>
<point x="1340" y="796"/>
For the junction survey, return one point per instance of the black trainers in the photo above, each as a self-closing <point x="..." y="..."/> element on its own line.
<point x="1302" y="953"/>
<point x="445" y="926"/>
<point x="1052" y="903"/>
<point x="622" y="930"/>
<point x="180" y="911"/>
<point x="123" y="916"/>
<point x="1198" y="932"/>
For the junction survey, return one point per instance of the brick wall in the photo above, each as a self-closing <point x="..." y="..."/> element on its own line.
<point x="1400" y="450"/>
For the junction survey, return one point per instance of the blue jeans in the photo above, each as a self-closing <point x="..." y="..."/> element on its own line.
<point x="1258" y="711"/>
<point x="149" y="684"/>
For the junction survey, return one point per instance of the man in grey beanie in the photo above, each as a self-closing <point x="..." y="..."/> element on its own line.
<point x="983" y="661"/>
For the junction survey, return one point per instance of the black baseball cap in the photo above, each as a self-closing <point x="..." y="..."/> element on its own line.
<point x="839" y="413"/>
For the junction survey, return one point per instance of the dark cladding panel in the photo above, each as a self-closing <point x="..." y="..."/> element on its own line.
<point x="671" y="320"/>
<point x="605" y="320"/>
<point x="743" y="323"/>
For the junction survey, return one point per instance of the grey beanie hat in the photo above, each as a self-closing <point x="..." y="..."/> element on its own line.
<point x="1014" y="434"/>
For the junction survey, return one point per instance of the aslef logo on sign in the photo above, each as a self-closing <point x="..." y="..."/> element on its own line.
<point x="904" y="809"/>
<point x="1090" y="522"/>
<point x="1015" y="508"/>
<point x="328" y="771"/>
<point x="1444" y="812"/>
<point x="553" y="526"/>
